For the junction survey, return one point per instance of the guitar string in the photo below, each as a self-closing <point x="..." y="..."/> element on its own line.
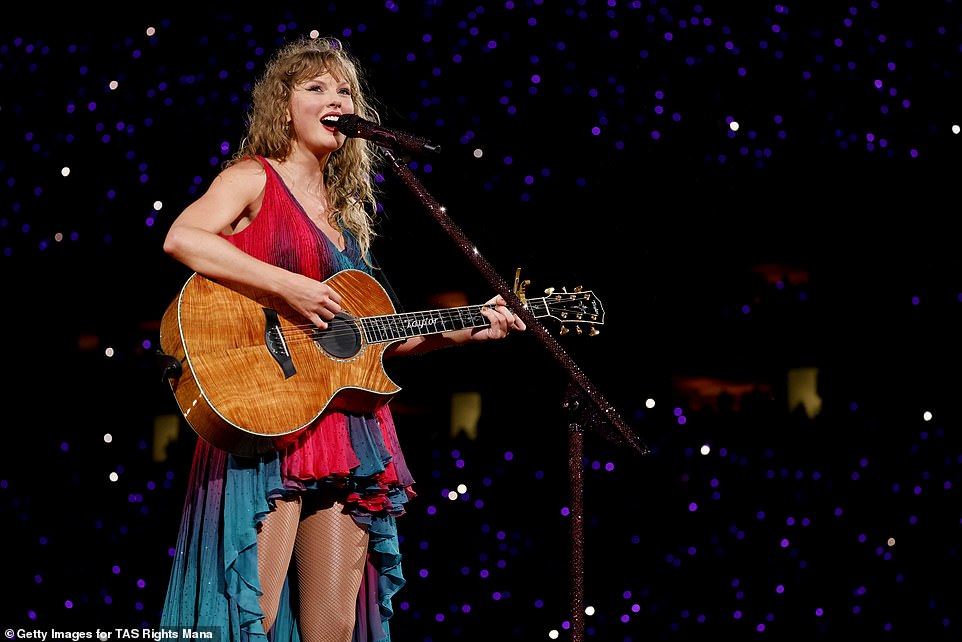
<point x="304" y="332"/>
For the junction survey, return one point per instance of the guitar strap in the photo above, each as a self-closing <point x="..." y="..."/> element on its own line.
<point x="381" y="278"/>
<point x="377" y="272"/>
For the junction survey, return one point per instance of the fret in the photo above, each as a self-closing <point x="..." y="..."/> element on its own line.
<point x="392" y="330"/>
<point x="422" y="323"/>
<point x="464" y="317"/>
<point x="538" y="307"/>
<point x="471" y="317"/>
<point x="381" y="329"/>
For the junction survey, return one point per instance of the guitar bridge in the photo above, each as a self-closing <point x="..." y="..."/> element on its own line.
<point x="274" y="340"/>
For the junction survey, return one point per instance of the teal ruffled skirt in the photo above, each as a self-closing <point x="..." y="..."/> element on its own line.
<point x="214" y="584"/>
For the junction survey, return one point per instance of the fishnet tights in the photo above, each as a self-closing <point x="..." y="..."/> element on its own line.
<point x="329" y="550"/>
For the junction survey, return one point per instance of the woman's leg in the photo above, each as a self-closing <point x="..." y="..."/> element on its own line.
<point x="275" y="543"/>
<point x="330" y="553"/>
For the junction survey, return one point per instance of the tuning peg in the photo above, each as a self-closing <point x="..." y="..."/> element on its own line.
<point x="578" y="329"/>
<point x="549" y="291"/>
<point x="578" y="289"/>
<point x="594" y="332"/>
<point x="564" y="330"/>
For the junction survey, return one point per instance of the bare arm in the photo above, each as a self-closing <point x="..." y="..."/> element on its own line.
<point x="229" y="205"/>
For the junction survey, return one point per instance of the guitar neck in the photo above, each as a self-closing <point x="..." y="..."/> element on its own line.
<point x="394" y="327"/>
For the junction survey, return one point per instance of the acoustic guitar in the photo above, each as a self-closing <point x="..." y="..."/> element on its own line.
<point x="248" y="373"/>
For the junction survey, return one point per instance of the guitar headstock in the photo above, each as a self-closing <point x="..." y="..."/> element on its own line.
<point x="578" y="308"/>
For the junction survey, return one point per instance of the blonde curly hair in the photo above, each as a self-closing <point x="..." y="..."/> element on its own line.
<point x="351" y="192"/>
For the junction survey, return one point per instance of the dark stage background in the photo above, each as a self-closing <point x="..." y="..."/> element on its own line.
<point x="762" y="195"/>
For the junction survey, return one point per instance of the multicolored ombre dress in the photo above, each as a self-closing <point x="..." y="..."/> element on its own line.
<point x="214" y="583"/>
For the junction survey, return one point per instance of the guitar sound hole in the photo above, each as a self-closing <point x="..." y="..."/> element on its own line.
<point x="342" y="339"/>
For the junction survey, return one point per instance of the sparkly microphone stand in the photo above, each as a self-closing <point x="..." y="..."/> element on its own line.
<point x="583" y="403"/>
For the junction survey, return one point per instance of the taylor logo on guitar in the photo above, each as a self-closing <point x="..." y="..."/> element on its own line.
<point x="246" y="372"/>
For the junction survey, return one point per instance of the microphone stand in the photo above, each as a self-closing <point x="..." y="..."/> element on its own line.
<point x="583" y="402"/>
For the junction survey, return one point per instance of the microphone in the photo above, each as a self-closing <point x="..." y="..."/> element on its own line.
<point x="353" y="126"/>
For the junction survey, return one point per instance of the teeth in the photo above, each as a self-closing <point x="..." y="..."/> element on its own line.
<point x="330" y="118"/>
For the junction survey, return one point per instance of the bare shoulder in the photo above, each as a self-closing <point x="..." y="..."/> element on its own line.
<point x="245" y="174"/>
<point x="231" y="201"/>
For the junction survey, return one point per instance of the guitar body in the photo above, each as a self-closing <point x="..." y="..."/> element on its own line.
<point x="255" y="371"/>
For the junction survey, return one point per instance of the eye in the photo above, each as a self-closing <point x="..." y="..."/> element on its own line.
<point x="345" y="91"/>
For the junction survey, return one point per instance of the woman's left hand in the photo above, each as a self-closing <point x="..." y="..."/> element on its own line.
<point x="503" y="321"/>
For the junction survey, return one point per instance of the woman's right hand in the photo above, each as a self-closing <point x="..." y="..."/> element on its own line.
<point x="315" y="300"/>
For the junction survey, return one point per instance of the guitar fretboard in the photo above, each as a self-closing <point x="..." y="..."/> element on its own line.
<point x="392" y="327"/>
